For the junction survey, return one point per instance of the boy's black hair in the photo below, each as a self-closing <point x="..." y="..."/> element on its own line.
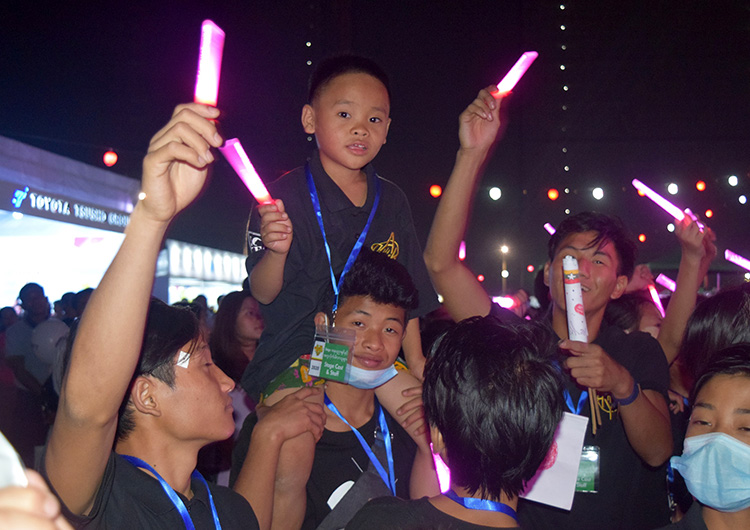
<point x="496" y="396"/>
<point x="383" y="279"/>
<point x="734" y="360"/>
<point x="167" y="330"/>
<point x="607" y="229"/>
<point x="24" y="292"/>
<point x="332" y="67"/>
<point x="625" y="312"/>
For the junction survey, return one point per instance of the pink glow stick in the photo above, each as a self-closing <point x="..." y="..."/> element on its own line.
<point x="443" y="472"/>
<point x="667" y="282"/>
<point x="549" y="228"/>
<point x="209" y="64"/>
<point x="236" y="156"/>
<point x="670" y="208"/>
<point x="737" y="259"/>
<point x="462" y="251"/>
<point x="516" y="73"/>
<point x="508" y="302"/>
<point x="656" y="299"/>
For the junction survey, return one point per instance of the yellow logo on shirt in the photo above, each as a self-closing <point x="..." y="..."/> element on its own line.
<point x="389" y="248"/>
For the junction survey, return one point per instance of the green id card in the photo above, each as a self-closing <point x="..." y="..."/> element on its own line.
<point x="588" y="470"/>
<point x="331" y="353"/>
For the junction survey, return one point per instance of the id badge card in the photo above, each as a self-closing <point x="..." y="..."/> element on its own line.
<point x="588" y="470"/>
<point x="331" y="355"/>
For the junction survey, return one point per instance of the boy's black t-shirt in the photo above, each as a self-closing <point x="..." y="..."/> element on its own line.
<point x="307" y="289"/>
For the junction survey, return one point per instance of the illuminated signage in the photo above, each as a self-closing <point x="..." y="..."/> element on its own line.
<point x="27" y="201"/>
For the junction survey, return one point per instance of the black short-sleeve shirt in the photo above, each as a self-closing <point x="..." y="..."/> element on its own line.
<point x="307" y="286"/>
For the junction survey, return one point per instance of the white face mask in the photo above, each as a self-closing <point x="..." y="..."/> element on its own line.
<point x="716" y="469"/>
<point x="369" y="379"/>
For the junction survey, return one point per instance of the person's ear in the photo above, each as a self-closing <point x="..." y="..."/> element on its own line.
<point x="620" y="286"/>
<point x="308" y="119"/>
<point x="387" y="128"/>
<point x="438" y="445"/>
<point x="546" y="273"/>
<point x="143" y="396"/>
<point x="321" y="319"/>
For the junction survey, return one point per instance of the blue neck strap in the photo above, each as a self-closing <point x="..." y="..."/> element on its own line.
<point x="390" y="477"/>
<point x="137" y="462"/>
<point x="581" y="401"/>
<point x="360" y="241"/>
<point x="481" y="504"/>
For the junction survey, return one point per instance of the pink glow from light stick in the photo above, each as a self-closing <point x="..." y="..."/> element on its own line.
<point x="737" y="259"/>
<point x="209" y="64"/>
<point x="667" y="282"/>
<point x="656" y="299"/>
<point x="670" y="208"/>
<point x="515" y="73"/>
<point x="549" y="228"/>
<point x="443" y="472"/>
<point x="508" y="302"/>
<point x="462" y="251"/>
<point x="236" y="156"/>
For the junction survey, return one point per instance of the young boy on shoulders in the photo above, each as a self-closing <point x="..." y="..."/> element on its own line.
<point x="141" y="395"/>
<point x="493" y="400"/>
<point x="363" y="453"/>
<point x="300" y="247"/>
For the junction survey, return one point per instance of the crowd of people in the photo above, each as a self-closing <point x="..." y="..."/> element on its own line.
<point x="291" y="407"/>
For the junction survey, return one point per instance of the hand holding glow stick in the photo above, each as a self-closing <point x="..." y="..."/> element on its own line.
<point x="515" y="73"/>
<point x="737" y="259"/>
<point x="209" y="64"/>
<point x="667" y="206"/>
<point x="236" y="156"/>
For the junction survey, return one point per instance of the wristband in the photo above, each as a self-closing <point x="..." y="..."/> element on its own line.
<point x="632" y="397"/>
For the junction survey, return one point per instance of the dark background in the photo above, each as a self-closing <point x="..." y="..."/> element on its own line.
<point x="658" y="91"/>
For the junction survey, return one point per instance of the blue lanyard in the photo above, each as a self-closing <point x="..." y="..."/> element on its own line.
<point x="481" y="504"/>
<point x="390" y="477"/>
<point x="137" y="462"/>
<point x="581" y="401"/>
<point x="357" y="246"/>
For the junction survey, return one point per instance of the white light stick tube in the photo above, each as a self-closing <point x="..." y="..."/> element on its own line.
<point x="516" y="73"/>
<point x="209" y="64"/>
<point x="508" y="302"/>
<point x="737" y="259"/>
<point x="667" y="282"/>
<point x="238" y="159"/>
<point x="577" y="328"/>
<point x="549" y="228"/>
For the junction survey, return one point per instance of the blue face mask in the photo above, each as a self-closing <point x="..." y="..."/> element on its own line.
<point x="716" y="469"/>
<point x="369" y="379"/>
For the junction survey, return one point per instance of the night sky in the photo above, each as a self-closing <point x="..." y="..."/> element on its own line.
<point x="658" y="91"/>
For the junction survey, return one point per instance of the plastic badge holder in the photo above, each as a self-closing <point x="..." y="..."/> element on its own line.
<point x="332" y="353"/>
<point x="12" y="470"/>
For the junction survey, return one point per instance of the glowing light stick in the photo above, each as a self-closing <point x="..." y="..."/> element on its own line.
<point x="236" y="156"/>
<point x="577" y="328"/>
<point x="462" y="251"/>
<point x="667" y="206"/>
<point x="737" y="259"/>
<point x="443" y="472"/>
<point x="209" y="64"/>
<point x="549" y="228"/>
<point x="508" y="302"/>
<point x="667" y="282"/>
<point x="516" y="73"/>
<point x="656" y="299"/>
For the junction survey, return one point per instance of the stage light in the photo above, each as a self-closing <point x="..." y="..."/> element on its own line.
<point x="700" y="185"/>
<point x="436" y="191"/>
<point x="505" y="273"/>
<point x="480" y="277"/>
<point x="110" y="158"/>
<point x="495" y="193"/>
<point x="530" y="268"/>
<point x="709" y="213"/>
<point x="562" y="67"/>
<point x="562" y="27"/>
<point x="567" y="211"/>
<point x="141" y="196"/>
<point x="642" y="238"/>
<point x="553" y="194"/>
<point x="733" y="180"/>
<point x="504" y="249"/>
<point x="598" y="194"/>
<point x="670" y="227"/>
<point x="672" y="188"/>
<point x="742" y="199"/>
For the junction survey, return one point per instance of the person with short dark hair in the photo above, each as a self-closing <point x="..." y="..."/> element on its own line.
<point x="628" y="372"/>
<point x="141" y="394"/>
<point x="493" y="400"/>
<point x="375" y="301"/>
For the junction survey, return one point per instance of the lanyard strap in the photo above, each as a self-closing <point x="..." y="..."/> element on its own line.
<point x="137" y="462"/>
<point x="581" y="401"/>
<point x="481" y="504"/>
<point x="360" y="241"/>
<point x="390" y="477"/>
